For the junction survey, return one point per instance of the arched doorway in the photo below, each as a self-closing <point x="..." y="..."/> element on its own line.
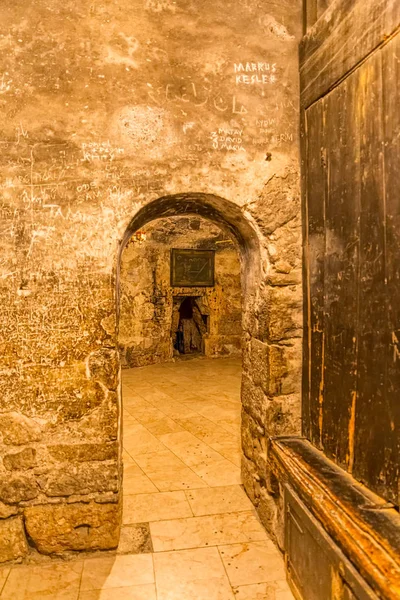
<point x="268" y="405"/>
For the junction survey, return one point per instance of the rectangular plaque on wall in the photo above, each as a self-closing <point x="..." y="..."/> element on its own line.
<point x="192" y="268"/>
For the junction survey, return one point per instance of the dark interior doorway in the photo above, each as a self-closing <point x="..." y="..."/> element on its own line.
<point x="189" y="325"/>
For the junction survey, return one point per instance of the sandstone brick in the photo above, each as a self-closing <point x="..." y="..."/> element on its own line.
<point x="13" y="543"/>
<point x="280" y="315"/>
<point x="248" y="478"/>
<point x="285" y="368"/>
<point x="17" y="488"/>
<point x="25" y="459"/>
<point x="259" y="367"/>
<point x="283" y="415"/>
<point x="254" y="400"/>
<point x="83" y="452"/>
<point x="79" y="526"/>
<point x="85" y="478"/>
<point x="135" y="539"/>
<point x="268" y="512"/>
<point x="17" y="429"/>
<point x="103" y="366"/>
<point x="7" y="511"/>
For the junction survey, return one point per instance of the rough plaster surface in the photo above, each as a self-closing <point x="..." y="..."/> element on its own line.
<point x="106" y="107"/>
<point x="146" y="296"/>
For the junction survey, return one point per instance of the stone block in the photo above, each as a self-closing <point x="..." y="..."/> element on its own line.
<point x="254" y="400"/>
<point x="103" y="365"/>
<point x="23" y="460"/>
<point x="285" y="364"/>
<point x="280" y="314"/>
<point x="17" y="488"/>
<point x="259" y="369"/>
<point x="253" y="442"/>
<point x="56" y="528"/>
<point x="17" y="429"/>
<point x="83" y="452"/>
<point x="283" y="415"/>
<point x="267" y="512"/>
<point x="82" y="479"/>
<point x="248" y="479"/>
<point x="135" y="539"/>
<point x="7" y="511"/>
<point x="13" y="544"/>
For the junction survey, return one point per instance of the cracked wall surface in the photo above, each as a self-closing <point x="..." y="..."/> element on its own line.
<point x="145" y="326"/>
<point x="106" y="107"/>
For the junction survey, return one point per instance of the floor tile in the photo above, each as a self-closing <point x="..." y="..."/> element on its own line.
<point x="177" y="479"/>
<point x="140" y="441"/>
<point x="136" y="592"/>
<point x="264" y="591"/>
<point x="155" y="507"/>
<point x="257" y="591"/>
<point x="211" y="501"/>
<point x="190" y="574"/>
<point x="197" y="532"/>
<point x="255" y="562"/>
<point x="54" y="582"/>
<point x="189" y="448"/>
<point x="218" y="473"/>
<point x="163" y="425"/>
<point x="4" y="572"/>
<point x="159" y="462"/>
<point x="138" y="484"/>
<point x="117" y="571"/>
<point x="135" y="539"/>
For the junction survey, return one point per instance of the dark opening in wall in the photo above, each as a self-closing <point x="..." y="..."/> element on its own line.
<point x="189" y="325"/>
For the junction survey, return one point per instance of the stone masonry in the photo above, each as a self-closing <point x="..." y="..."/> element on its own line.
<point x="110" y="109"/>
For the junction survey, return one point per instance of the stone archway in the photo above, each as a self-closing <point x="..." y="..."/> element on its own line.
<point x="272" y="343"/>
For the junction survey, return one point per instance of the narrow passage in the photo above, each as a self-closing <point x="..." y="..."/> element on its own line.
<point x="189" y="531"/>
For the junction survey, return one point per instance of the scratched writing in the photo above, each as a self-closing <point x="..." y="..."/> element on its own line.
<point x="198" y="95"/>
<point x="273" y="138"/>
<point x="252" y="73"/>
<point x="227" y="139"/>
<point x="99" y="151"/>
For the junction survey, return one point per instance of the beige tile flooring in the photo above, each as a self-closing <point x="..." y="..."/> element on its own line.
<point x="182" y="481"/>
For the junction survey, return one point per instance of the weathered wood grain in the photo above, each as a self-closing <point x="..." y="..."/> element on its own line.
<point x="360" y="523"/>
<point x="341" y="270"/>
<point x="391" y="139"/>
<point x="316" y="193"/>
<point x="345" y="35"/>
<point x="372" y="425"/>
<point x="306" y="375"/>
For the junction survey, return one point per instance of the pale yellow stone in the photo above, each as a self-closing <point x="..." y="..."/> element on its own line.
<point x="254" y="562"/>
<point x="188" y="574"/>
<point x="216" y="500"/>
<point x="219" y="472"/>
<point x="117" y="572"/>
<point x="135" y="592"/>
<point x="155" y="507"/>
<point x="139" y="441"/>
<point x="192" y="451"/>
<point x="159" y="462"/>
<point x="256" y="591"/>
<point x="179" y="479"/>
<point x="54" y="582"/>
<point x="211" y="530"/>
<point x="4" y="573"/>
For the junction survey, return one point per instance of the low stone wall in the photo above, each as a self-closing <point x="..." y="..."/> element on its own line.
<point x="59" y="480"/>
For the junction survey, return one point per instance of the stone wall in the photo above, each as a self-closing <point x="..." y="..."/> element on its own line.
<point x="146" y="296"/>
<point x="105" y="107"/>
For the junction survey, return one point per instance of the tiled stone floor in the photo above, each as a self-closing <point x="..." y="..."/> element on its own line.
<point x="189" y="531"/>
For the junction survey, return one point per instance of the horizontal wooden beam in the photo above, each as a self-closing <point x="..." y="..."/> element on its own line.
<point x="361" y="523"/>
<point x="347" y="32"/>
